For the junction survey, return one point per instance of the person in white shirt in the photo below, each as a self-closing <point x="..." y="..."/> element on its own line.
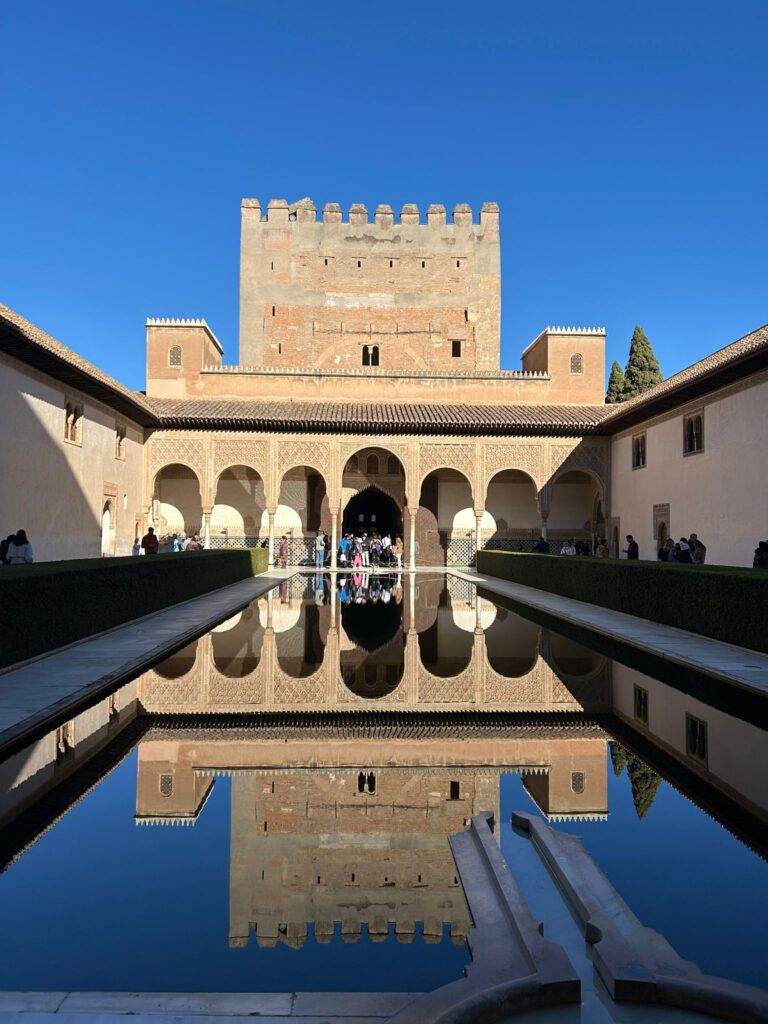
<point x="20" y="551"/>
<point x="569" y="548"/>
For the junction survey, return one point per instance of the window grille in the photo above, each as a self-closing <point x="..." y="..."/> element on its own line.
<point x="577" y="363"/>
<point x="174" y="355"/>
<point x="166" y="784"/>
<point x="577" y="782"/>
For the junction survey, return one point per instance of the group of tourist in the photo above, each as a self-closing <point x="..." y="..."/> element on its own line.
<point x="370" y="588"/>
<point x="687" y="551"/>
<point x="151" y="544"/>
<point x="16" y="549"/>
<point x="356" y="551"/>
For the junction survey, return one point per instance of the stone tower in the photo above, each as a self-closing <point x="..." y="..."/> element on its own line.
<point x="354" y="294"/>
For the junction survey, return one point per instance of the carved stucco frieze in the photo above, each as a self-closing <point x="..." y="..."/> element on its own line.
<point x="592" y="457"/>
<point x="529" y="458"/>
<point x="460" y="457"/>
<point x="228" y="452"/>
<point x="184" y="450"/>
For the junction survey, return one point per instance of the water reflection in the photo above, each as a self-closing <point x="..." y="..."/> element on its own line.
<point x="338" y="821"/>
<point x="331" y="643"/>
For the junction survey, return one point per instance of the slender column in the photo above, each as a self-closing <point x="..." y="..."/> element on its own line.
<point x="269" y="609"/>
<point x="544" y="525"/>
<point x="478" y="536"/>
<point x="271" y="561"/>
<point x="206" y="528"/>
<point x="334" y="537"/>
<point x="411" y="537"/>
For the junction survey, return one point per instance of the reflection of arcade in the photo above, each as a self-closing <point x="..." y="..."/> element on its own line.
<point x="427" y="648"/>
<point x="310" y="846"/>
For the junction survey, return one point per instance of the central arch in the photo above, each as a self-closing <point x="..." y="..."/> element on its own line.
<point x="373" y="511"/>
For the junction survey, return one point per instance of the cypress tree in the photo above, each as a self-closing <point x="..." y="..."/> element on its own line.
<point x="615" y="392"/>
<point x="645" y="782"/>
<point x="618" y="757"/>
<point x="642" y="370"/>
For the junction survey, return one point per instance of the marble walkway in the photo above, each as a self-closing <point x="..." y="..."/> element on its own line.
<point x="43" y="692"/>
<point x="726" y="662"/>
<point x="201" y="1008"/>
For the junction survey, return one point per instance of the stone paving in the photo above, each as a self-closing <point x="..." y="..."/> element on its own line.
<point x="731" y="664"/>
<point x="33" y="695"/>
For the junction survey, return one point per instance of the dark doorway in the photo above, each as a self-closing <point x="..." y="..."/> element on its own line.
<point x="373" y="511"/>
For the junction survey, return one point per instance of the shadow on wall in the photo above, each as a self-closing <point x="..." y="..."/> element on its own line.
<point x="41" y="490"/>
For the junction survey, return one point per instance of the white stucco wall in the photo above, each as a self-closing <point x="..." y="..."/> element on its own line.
<point x="54" y="489"/>
<point x="721" y="493"/>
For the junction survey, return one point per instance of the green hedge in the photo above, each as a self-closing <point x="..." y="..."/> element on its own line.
<point x="719" y="601"/>
<point x="50" y="604"/>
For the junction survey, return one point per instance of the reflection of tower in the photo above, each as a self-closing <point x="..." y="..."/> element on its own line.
<point x="319" y="847"/>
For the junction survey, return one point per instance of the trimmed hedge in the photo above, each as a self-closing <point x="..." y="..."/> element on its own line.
<point x="723" y="602"/>
<point x="50" y="604"/>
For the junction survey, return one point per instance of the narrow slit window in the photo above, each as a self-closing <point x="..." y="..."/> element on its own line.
<point x="641" y="705"/>
<point x="455" y="790"/>
<point x="273" y="310"/>
<point x="423" y="264"/>
<point x="366" y="356"/>
<point x="374" y="355"/>
<point x="456" y="349"/>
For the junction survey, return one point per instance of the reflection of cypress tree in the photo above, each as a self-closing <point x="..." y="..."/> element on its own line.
<point x="618" y="757"/>
<point x="644" y="782"/>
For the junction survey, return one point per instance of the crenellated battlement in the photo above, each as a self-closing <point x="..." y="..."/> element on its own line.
<point x="280" y="211"/>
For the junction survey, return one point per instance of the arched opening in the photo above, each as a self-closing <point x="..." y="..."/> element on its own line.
<point x="179" y="664"/>
<point x="445" y="522"/>
<point x="572" y="510"/>
<point x="445" y="648"/>
<point x="373" y="494"/>
<point x="374" y="667"/>
<point x="107" y="530"/>
<point x="177" y="505"/>
<point x="571" y="659"/>
<point x="512" y="644"/>
<point x="302" y="511"/>
<point x="236" y="650"/>
<point x="373" y="512"/>
<point x="511" y="519"/>
<point x="238" y="510"/>
<point x="301" y="648"/>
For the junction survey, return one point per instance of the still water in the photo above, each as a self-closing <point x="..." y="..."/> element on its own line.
<point x="269" y="809"/>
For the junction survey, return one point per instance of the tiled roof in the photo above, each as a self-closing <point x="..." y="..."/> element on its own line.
<point x="379" y="418"/>
<point x="747" y="355"/>
<point x="25" y="341"/>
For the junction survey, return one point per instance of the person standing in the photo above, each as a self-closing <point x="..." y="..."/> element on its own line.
<point x="698" y="550"/>
<point x="602" y="549"/>
<point x="320" y="550"/>
<point x="149" y="542"/>
<point x="632" y="550"/>
<point x="20" y="550"/>
<point x="282" y="552"/>
<point x="541" y="547"/>
<point x="4" y="548"/>
<point x="397" y="551"/>
<point x="366" y="550"/>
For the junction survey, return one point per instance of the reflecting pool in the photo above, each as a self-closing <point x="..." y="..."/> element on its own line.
<point x="269" y="808"/>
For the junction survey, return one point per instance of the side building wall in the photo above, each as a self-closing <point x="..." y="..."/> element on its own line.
<point x="57" y="489"/>
<point x="719" y="492"/>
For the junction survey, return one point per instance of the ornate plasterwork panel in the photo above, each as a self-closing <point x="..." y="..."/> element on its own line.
<point x="234" y="694"/>
<point x="453" y="690"/>
<point x="308" y="692"/>
<point x="520" y="694"/>
<point x="580" y="454"/>
<point x="159" y="693"/>
<point x="448" y="456"/>
<point x="240" y="452"/>
<point x="529" y="458"/>
<point x="304" y="452"/>
<point x="168" y="450"/>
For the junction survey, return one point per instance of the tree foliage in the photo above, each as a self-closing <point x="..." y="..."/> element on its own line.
<point x="645" y="782"/>
<point x="618" y="757"/>
<point x="642" y="370"/>
<point x="615" y="392"/>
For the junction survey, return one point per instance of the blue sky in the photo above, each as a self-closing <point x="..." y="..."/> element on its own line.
<point x="626" y="144"/>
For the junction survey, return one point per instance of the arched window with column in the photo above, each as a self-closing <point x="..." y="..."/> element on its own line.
<point x="577" y="363"/>
<point x="374" y="355"/>
<point x="366" y="355"/>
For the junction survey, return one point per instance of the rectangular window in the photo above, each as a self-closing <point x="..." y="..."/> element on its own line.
<point x="641" y="705"/>
<point x="456" y="349"/>
<point x="696" y="738"/>
<point x="638" y="451"/>
<point x="455" y="790"/>
<point x="73" y="423"/>
<point x="693" y="434"/>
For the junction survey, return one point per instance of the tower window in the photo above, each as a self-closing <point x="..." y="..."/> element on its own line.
<point x="366" y="356"/>
<point x="577" y="363"/>
<point x="359" y="263"/>
<point x="174" y="355"/>
<point x="423" y="264"/>
<point x="456" y="349"/>
<point x="577" y="782"/>
<point x="374" y="355"/>
<point x="326" y="262"/>
<point x="273" y="311"/>
<point x="391" y="263"/>
<point x="458" y="263"/>
<point x="73" y="423"/>
<point x="272" y="265"/>
<point x="693" y="434"/>
<point x="166" y="785"/>
<point x="466" y="316"/>
<point x="455" y="790"/>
